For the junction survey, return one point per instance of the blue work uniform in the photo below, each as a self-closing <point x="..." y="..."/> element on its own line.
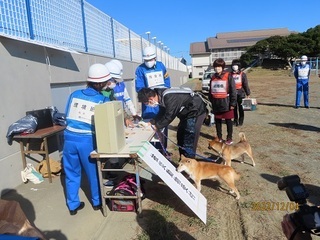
<point x="121" y="94"/>
<point x="302" y="74"/>
<point x="119" y="91"/>
<point x="155" y="77"/>
<point x="79" y="142"/>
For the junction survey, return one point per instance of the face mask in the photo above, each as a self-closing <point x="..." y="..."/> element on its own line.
<point x="150" y="64"/>
<point x="153" y="104"/>
<point x="303" y="63"/>
<point x="235" y="68"/>
<point x="105" y="87"/>
<point x="112" y="85"/>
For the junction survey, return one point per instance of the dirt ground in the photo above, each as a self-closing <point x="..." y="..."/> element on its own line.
<point x="284" y="140"/>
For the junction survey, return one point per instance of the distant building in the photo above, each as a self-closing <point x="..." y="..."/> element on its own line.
<point x="228" y="46"/>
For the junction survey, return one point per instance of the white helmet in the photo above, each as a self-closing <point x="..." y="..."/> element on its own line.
<point x="98" y="73"/>
<point x="116" y="61"/>
<point x="114" y="70"/>
<point x="304" y="58"/>
<point x="149" y="53"/>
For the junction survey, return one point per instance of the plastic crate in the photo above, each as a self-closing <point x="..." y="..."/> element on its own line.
<point x="249" y="104"/>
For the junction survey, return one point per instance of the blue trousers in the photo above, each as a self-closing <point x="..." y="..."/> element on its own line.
<point x="188" y="135"/>
<point x="76" y="155"/>
<point x="302" y="86"/>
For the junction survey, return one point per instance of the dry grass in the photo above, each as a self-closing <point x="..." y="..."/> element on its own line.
<point x="284" y="141"/>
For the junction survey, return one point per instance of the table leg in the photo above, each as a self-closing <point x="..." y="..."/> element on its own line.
<point x="23" y="156"/>
<point x="137" y="169"/>
<point x="45" y="142"/>
<point x="102" y="192"/>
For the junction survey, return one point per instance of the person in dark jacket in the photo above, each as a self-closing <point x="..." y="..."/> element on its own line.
<point x="177" y="102"/>
<point x="242" y="88"/>
<point x="223" y="96"/>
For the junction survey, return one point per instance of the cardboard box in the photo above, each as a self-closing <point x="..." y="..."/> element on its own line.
<point x="249" y="104"/>
<point x="109" y="127"/>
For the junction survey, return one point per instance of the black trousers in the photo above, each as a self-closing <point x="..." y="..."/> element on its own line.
<point x="188" y="135"/>
<point x="229" y="123"/>
<point x="238" y="111"/>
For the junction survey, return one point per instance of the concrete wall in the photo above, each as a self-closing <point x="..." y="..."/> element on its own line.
<point x="35" y="77"/>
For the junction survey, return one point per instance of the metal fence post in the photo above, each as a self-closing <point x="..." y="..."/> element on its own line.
<point x="130" y="46"/>
<point x="113" y="40"/>
<point x="84" y="27"/>
<point x="29" y="19"/>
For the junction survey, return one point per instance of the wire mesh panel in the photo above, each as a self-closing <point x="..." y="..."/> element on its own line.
<point x="136" y="50"/>
<point x="58" y="22"/>
<point x="99" y="31"/>
<point x="76" y="25"/>
<point x="121" y="41"/>
<point x="13" y="18"/>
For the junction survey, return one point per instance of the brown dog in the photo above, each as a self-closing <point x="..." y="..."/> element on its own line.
<point x="207" y="170"/>
<point x="229" y="152"/>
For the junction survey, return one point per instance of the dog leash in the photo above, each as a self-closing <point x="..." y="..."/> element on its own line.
<point x="167" y="155"/>
<point x="189" y="151"/>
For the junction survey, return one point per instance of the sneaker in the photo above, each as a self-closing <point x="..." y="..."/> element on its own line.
<point x="221" y="140"/>
<point x="229" y="141"/>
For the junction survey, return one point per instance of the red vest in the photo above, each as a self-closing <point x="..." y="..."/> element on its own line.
<point x="237" y="78"/>
<point x="219" y="86"/>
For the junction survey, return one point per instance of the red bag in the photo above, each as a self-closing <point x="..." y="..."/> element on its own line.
<point x="126" y="187"/>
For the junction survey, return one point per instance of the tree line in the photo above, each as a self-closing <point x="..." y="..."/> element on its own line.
<point x="286" y="48"/>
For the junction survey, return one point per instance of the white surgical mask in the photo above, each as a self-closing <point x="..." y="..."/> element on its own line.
<point x="150" y="64"/>
<point x="112" y="85"/>
<point x="235" y="68"/>
<point x="153" y="104"/>
<point x="303" y="63"/>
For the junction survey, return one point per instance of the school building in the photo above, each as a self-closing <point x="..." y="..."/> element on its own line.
<point x="228" y="45"/>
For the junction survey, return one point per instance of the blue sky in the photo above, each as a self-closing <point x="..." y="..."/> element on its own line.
<point x="178" y="23"/>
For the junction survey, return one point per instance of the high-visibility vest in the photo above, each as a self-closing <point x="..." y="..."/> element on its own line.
<point x="219" y="86"/>
<point x="237" y="78"/>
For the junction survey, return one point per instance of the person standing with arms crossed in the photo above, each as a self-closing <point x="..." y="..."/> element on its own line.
<point x="152" y="74"/>
<point x="79" y="139"/>
<point x="223" y="96"/>
<point x="302" y="74"/>
<point x="242" y="88"/>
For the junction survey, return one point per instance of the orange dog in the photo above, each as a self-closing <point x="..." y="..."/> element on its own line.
<point x="207" y="170"/>
<point x="229" y="152"/>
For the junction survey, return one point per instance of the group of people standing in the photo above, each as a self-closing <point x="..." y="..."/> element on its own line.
<point x="161" y="104"/>
<point x="104" y="84"/>
<point x="226" y="92"/>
